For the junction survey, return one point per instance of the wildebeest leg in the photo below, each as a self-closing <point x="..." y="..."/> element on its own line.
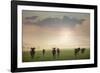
<point x="54" y="56"/>
<point x="83" y="50"/>
<point x="58" y="54"/>
<point x="76" y="53"/>
<point x="32" y="55"/>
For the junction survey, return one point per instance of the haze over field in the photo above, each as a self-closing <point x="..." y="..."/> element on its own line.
<point x="42" y="29"/>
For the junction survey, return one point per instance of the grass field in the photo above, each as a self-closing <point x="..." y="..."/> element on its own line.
<point x="65" y="54"/>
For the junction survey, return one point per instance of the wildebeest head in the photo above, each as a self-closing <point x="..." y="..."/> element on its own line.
<point x="54" y="48"/>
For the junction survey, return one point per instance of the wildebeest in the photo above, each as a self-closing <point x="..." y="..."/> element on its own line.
<point x="82" y="50"/>
<point x="58" y="52"/>
<point x="32" y="52"/>
<point x="77" y="51"/>
<point x="54" y="52"/>
<point x="43" y="51"/>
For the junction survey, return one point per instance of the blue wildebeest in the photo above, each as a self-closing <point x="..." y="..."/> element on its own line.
<point x="32" y="52"/>
<point x="83" y="50"/>
<point x="54" y="52"/>
<point x="58" y="52"/>
<point x="43" y="51"/>
<point x="77" y="51"/>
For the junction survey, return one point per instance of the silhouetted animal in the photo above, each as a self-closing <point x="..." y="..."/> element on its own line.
<point x="83" y="50"/>
<point x="58" y="52"/>
<point x="43" y="52"/>
<point x="32" y="52"/>
<point x="54" y="52"/>
<point x="77" y="51"/>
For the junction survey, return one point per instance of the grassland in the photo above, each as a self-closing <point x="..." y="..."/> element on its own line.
<point x="65" y="54"/>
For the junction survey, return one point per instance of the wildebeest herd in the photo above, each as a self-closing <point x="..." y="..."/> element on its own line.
<point x="56" y="52"/>
<point x="81" y="50"/>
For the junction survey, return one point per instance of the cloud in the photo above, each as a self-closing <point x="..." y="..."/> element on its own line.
<point x="43" y="34"/>
<point x="83" y="29"/>
<point x="31" y="18"/>
<point x="58" y="22"/>
<point x="65" y="21"/>
<point x="71" y="21"/>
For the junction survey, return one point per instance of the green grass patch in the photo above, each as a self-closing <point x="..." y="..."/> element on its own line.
<point x="65" y="54"/>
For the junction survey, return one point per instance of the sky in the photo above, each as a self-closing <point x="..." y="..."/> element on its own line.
<point x="48" y="29"/>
